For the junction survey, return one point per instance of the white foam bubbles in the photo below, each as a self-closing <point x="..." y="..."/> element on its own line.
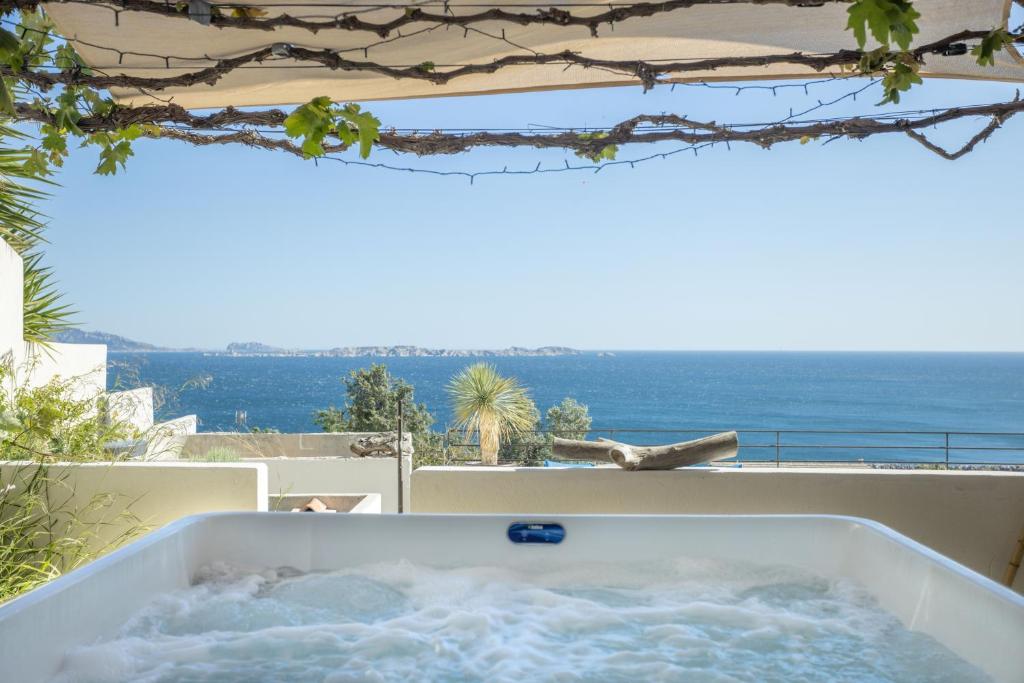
<point x="682" y="620"/>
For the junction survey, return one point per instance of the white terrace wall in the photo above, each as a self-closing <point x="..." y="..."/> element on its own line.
<point x="340" y="475"/>
<point x="134" y="406"/>
<point x="311" y="463"/>
<point x="315" y="445"/>
<point x="972" y="517"/>
<point x="86" y="364"/>
<point x="11" y="332"/>
<point x="154" y="493"/>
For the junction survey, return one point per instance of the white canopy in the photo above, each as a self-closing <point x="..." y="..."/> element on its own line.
<point x="704" y="31"/>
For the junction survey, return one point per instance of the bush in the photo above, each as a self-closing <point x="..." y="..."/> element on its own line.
<point x="56" y="421"/>
<point x="569" y="419"/>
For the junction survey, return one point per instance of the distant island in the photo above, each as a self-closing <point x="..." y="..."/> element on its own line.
<point x="258" y="349"/>
<point x="114" y="342"/>
<point x="118" y="343"/>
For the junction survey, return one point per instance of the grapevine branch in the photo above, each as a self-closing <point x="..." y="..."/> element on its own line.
<point x="245" y="18"/>
<point x="647" y="72"/>
<point x="177" y="123"/>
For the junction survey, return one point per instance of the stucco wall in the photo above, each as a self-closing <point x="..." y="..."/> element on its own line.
<point x="134" y="406"/>
<point x="973" y="517"/>
<point x="155" y="493"/>
<point x="315" y="445"/>
<point x="11" y="333"/>
<point x="84" y="363"/>
<point x="166" y="440"/>
<point x="311" y="463"/>
<point x="339" y="475"/>
<point x="34" y="365"/>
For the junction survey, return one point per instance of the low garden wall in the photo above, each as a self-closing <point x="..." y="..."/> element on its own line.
<point x="972" y="517"/>
<point x="154" y="493"/>
<point x="264" y="445"/>
<point x="309" y="463"/>
<point x="339" y="475"/>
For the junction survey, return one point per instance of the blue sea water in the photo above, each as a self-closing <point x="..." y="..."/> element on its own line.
<point x="924" y="392"/>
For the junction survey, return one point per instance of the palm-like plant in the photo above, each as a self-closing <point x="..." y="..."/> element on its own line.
<point x="490" y="405"/>
<point x="21" y="227"/>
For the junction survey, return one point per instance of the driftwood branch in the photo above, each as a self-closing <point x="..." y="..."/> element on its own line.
<point x="551" y="16"/>
<point x="384" y="444"/>
<point x="671" y="456"/>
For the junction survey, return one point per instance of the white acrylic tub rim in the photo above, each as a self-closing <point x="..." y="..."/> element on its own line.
<point x="975" y="617"/>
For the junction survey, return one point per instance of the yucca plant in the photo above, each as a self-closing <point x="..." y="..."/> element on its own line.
<point x="20" y="226"/>
<point x="45" y="314"/>
<point x="491" y="406"/>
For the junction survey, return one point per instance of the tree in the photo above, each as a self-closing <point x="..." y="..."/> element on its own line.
<point x="371" y="405"/>
<point x="491" y="406"/>
<point x="569" y="419"/>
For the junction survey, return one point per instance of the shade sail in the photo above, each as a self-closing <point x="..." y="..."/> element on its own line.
<point x="705" y="31"/>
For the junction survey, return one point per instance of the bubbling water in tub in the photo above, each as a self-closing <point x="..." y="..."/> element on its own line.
<point x="684" y="620"/>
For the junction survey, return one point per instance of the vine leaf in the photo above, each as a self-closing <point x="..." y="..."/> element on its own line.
<point x="311" y="122"/>
<point x="318" y="118"/>
<point x="890" y="21"/>
<point x="366" y="125"/>
<point x="899" y="78"/>
<point x="986" y="50"/>
<point x="6" y="98"/>
<point x="606" y="153"/>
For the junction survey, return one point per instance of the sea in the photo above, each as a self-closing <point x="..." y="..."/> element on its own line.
<point x="652" y="397"/>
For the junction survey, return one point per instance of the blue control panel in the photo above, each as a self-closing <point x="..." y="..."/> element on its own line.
<point x="536" y="532"/>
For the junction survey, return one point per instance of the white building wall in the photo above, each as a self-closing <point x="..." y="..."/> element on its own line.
<point x="34" y="365"/>
<point x="86" y="364"/>
<point x="11" y="332"/>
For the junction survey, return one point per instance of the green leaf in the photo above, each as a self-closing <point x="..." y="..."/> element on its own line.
<point x="9" y="44"/>
<point x="366" y="124"/>
<point x="9" y="421"/>
<point x="986" y="50"/>
<point x="889" y="21"/>
<point x="312" y="122"/>
<point x="606" y="153"/>
<point x="113" y="155"/>
<point x="67" y="58"/>
<point x="6" y="99"/>
<point x="899" y="79"/>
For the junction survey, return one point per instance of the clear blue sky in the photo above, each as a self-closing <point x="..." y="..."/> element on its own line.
<point x="874" y="245"/>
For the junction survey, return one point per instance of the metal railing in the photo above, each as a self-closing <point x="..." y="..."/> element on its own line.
<point x="949" y="449"/>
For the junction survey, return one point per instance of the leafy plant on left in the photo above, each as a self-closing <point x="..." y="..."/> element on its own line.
<point x="45" y="531"/>
<point x="62" y="420"/>
<point x="46" y="526"/>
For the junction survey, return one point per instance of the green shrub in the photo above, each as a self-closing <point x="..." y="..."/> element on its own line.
<point x="58" y="421"/>
<point x="217" y="454"/>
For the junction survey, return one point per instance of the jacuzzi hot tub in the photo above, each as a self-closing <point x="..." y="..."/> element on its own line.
<point x="978" y="620"/>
